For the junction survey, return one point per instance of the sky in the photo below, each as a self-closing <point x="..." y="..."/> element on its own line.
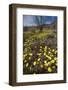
<point x="31" y="20"/>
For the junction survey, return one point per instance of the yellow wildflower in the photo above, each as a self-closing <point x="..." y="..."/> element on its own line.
<point x="49" y="69"/>
<point x="29" y="58"/>
<point x="40" y="46"/>
<point x="55" y="58"/>
<point x="53" y="67"/>
<point x="45" y="47"/>
<point x="38" y="59"/>
<point x="48" y="57"/>
<point x="25" y="55"/>
<point x="53" y="50"/>
<point x="30" y="68"/>
<point x="44" y="53"/>
<point x="49" y="63"/>
<point x="41" y="66"/>
<point x="30" y="54"/>
<point x="45" y="61"/>
<point x="49" y="52"/>
<point x="46" y="64"/>
<point x="52" y="61"/>
<point x="27" y="64"/>
<point x="34" y="63"/>
<point x="39" y="54"/>
<point x="25" y="61"/>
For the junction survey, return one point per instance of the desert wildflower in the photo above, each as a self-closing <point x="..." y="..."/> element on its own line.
<point x="52" y="61"/>
<point x="53" y="50"/>
<point x="38" y="59"/>
<point x="25" y="55"/>
<point x="44" y="54"/>
<point x="27" y="64"/>
<point x="25" y="61"/>
<point x="34" y="63"/>
<point x="49" y="52"/>
<point x="49" y="63"/>
<point x="41" y="66"/>
<point x="40" y="46"/>
<point x="49" y="69"/>
<point x="46" y="64"/>
<point x="55" y="58"/>
<point x="56" y="52"/>
<point x="39" y="54"/>
<point x="53" y="67"/>
<point x="48" y="57"/>
<point x="45" y="61"/>
<point x="30" y="68"/>
<point x="45" y="47"/>
<point x="29" y="57"/>
<point x="30" y="54"/>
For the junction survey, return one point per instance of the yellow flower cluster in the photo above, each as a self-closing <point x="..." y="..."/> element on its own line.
<point x="45" y="62"/>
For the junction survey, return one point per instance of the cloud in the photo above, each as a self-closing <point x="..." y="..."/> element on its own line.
<point x="30" y="20"/>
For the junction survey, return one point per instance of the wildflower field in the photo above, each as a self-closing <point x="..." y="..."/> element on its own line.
<point x="39" y="52"/>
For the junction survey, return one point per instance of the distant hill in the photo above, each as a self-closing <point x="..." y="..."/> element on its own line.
<point x="47" y="26"/>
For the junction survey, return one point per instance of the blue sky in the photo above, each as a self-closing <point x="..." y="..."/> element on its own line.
<point x="30" y="20"/>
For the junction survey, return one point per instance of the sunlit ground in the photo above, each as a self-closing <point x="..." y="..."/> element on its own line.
<point x="39" y="57"/>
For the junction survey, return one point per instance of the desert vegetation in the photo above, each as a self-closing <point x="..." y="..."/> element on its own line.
<point x="40" y="49"/>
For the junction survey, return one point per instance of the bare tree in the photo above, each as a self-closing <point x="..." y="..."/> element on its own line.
<point x="39" y="21"/>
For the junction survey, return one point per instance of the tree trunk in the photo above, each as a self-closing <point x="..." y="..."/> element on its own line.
<point x="41" y="28"/>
